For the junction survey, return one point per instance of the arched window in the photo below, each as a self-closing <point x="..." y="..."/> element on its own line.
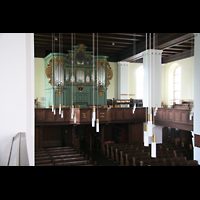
<point x="139" y="82"/>
<point x="177" y="85"/>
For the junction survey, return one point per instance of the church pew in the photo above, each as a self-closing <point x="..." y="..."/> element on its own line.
<point x="42" y="158"/>
<point x="62" y="153"/>
<point x="174" y="159"/>
<point x="185" y="163"/>
<point x="149" y="161"/>
<point x="73" y="163"/>
<point x="66" y="156"/>
<point x="46" y="164"/>
<point x="87" y="165"/>
<point x="54" y="148"/>
<point x="115" y="152"/>
<point x="167" y="161"/>
<point x="43" y="161"/>
<point x="68" y="159"/>
<point x="41" y="154"/>
<point x="120" y="145"/>
<point x="60" y="150"/>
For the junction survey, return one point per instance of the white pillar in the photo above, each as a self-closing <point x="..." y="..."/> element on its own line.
<point x="123" y="80"/>
<point x="196" y="119"/>
<point x="152" y="78"/>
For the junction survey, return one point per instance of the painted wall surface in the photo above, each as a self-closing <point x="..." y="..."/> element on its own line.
<point x="123" y="80"/>
<point x="187" y="79"/>
<point x="112" y="91"/>
<point x="17" y="89"/>
<point x="40" y="81"/>
<point x="132" y="79"/>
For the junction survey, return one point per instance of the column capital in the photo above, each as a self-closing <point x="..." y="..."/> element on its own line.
<point x="196" y="34"/>
<point x="152" y="52"/>
<point x="123" y="63"/>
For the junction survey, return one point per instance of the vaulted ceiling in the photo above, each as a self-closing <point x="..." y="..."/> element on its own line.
<point x="121" y="46"/>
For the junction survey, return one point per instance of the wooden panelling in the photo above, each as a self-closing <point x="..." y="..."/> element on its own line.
<point x="184" y="117"/>
<point x="159" y="115"/>
<point x="119" y="114"/>
<point x="176" y="115"/>
<point x="128" y="113"/>
<point x="58" y="117"/>
<point x="86" y="115"/>
<point x="67" y="114"/>
<point x="197" y="140"/>
<point x="174" y="118"/>
<point x="40" y="115"/>
<point x="49" y="115"/>
<point x="164" y="114"/>
<point x="136" y="133"/>
<point x="103" y="115"/>
<point x="170" y="115"/>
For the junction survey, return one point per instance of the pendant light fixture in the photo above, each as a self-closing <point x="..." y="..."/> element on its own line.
<point x="72" y="63"/>
<point x="97" y="120"/>
<point x="74" y="83"/>
<point x="52" y="70"/>
<point x="93" y="110"/>
<point x="153" y="147"/>
<point x="153" y="143"/>
<point x="149" y="126"/>
<point x="145" y="126"/>
<point x="53" y="50"/>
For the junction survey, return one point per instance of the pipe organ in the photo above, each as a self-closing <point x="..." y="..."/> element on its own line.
<point x="72" y="74"/>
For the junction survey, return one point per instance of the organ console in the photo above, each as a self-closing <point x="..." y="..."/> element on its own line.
<point x="128" y="102"/>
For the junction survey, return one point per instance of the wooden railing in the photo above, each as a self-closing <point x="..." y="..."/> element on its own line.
<point x="169" y="117"/>
<point x="84" y="116"/>
<point x="18" y="152"/>
<point x="174" y="118"/>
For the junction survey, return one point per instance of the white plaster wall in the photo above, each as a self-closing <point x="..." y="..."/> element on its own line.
<point x="112" y="91"/>
<point x="123" y="80"/>
<point x="40" y="80"/>
<point x="187" y="79"/>
<point x="17" y="91"/>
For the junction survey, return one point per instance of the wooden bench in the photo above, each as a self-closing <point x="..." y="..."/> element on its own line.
<point x="43" y="162"/>
<point x="60" y="155"/>
<point x="185" y="163"/>
<point x="73" y="163"/>
<point x="68" y="159"/>
<point x="66" y="156"/>
<point x="46" y="164"/>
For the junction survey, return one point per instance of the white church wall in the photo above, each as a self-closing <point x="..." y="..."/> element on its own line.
<point x="187" y="79"/>
<point x="17" y="91"/>
<point x="40" y="81"/>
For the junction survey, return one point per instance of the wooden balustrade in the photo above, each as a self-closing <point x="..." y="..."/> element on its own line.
<point x="174" y="118"/>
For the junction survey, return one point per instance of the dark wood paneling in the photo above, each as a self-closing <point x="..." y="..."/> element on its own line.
<point x="136" y="133"/>
<point x="49" y="115"/>
<point x="197" y="140"/>
<point x="38" y="137"/>
<point x="40" y="115"/>
<point x="174" y="118"/>
<point x="58" y="117"/>
<point x="86" y="115"/>
<point x="170" y="115"/>
<point x="119" y="114"/>
<point x="67" y="114"/>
